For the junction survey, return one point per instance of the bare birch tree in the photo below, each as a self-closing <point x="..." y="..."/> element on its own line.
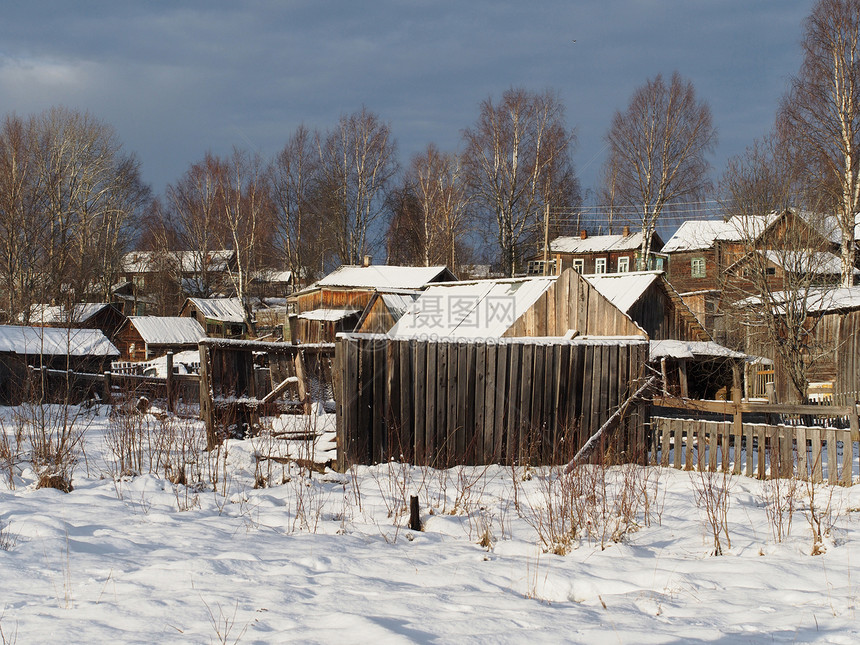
<point x="658" y="148"/>
<point x="822" y="112"/>
<point x="357" y="161"/>
<point x="785" y="259"/>
<point x="517" y="160"/>
<point x="295" y="178"/>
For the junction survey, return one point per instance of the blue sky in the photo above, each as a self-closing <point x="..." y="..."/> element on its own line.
<point x="179" y="78"/>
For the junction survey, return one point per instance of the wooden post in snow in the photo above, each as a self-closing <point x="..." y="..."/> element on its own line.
<point x="171" y="394"/>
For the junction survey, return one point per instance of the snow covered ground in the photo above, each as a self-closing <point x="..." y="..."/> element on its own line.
<point x="264" y="551"/>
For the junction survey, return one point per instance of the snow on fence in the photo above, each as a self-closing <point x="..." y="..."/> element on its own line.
<point x="758" y="449"/>
<point x="457" y="401"/>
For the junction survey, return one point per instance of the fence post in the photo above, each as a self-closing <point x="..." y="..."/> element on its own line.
<point x="107" y="388"/>
<point x="171" y="395"/>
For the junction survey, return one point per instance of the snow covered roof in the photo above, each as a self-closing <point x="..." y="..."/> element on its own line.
<point x="187" y="261"/>
<point x="623" y="289"/>
<point x="690" y="349"/>
<point x="57" y="314"/>
<point x="220" y="309"/>
<point x="328" y="315"/>
<point x="818" y="262"/>
<point x="168" y="330"/>
<point x="482" y="308"/>
<point x="596" y="243"/>
<point x="272" y="275"/>
<point x="55" y="341"/>
<point x="399" y="303"/>
<point x="695" y="235"/>
<point x="383" y="277"/>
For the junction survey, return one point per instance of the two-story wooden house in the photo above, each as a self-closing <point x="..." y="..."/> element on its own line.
<point x="599" y="253"/>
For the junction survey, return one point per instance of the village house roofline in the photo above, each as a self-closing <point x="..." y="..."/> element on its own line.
<point x="219" y="309"/>
<point x="384" y="277"/>
<point x="167" y="330"/>
<point x="54" y="341"/>
<point x="817" y="300"/>
<point x="597" y="243"/>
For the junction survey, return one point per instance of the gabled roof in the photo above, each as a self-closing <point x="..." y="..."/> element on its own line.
<point x="623" y="289"/>
<point x="186" y="261"/>
<point x="56" y="314"/>
<point x="696" y="235"/>
<point x="55" y="341"/>
<point x="817" y="300"/>
<point x="481" y="308"/>
<point x="597" y="243"/>
<point x="385" y="277"/>
<point x="221" y="309"/>
<point x="168" y="330"/>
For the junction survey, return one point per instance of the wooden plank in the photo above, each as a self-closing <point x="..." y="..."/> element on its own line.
<point x="737" y="444"/>
<point x="712" y="448"/>
<point x="407" y="396"/>
<point x="817" y="467"/>
<point x="677" y="442"/>
<point x="513" y="412"/>
<point x="690" y="441"/>
<point x="524" y="429"/>
<point x="847" y="457"/>
<point x="548" y="411"/>
<point x="664" y="442"/>
<point x="761" y="435"/>
<point x="725" y="433"/>
<point x="469" y="435"/>
<point x="701" y="443"/>
<point x="476" y="429"/>
<point x="488" y="413"/>
<point x="441" y="404"/>
<point x="586" y="425"/>
<point x="748" y="441"/>
<point x="463" y="401"/>
<point x="832" y="458"/>
<point x="802" y="463"/>
<point x="424" y="370"/>
<point x="502" y="376"/>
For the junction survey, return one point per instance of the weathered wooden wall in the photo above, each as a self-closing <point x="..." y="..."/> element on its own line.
<point x="571" y="302"/>
<point x="475" y="402"/>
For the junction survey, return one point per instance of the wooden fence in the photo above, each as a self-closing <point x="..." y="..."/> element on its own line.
<point x="758" y="449"/>
<point x="448" y="402"/>
<point x="239" y="379"/>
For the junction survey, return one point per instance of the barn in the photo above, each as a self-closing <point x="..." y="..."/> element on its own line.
<point x="144" y="337"/>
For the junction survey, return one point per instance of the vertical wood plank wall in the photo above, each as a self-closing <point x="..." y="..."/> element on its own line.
<point x="448" y="402"/>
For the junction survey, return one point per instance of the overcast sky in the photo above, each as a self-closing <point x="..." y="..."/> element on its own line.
<point x="179" y="78"/>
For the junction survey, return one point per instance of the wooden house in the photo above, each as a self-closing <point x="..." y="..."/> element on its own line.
<point x="220" y="317"/>
<point x="79" y="350"/>
<point x="554" y="306"/>
<point x="598" y="253"/>
<point x="335" y="303"/>
<point x="384" y="310"/>
<point x="106" y="317"/>
<point x="709" y="260"/>
<point x="833" y="341"/>
<point x="649" y="299"/>
<point x="144" y="337"/>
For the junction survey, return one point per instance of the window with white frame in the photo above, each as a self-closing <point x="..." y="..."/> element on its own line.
<point x="579" y="265"/>
<point x="623" y="265"/>
<point x="697" y="267"/>
<point x="600" y="265"/>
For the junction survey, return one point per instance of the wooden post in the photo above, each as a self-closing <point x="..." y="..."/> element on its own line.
<point x="682" y="375"/>
<point x="414" y="516"/>
<point x="171" y="394"/>
<point x="665" y="375"/>
<point x="304" y="395"/>
<point x="107" y="388"/>
<point x="207" y="413"/>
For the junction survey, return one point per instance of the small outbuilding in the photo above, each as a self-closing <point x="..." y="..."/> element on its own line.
<point x="144" y="337"/>
<point x="220" y="317"/>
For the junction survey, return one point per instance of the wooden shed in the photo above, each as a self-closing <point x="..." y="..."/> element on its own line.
<point x="220" y="317"/>
<point x="144" y="337"/>
<point x="79" y="350"/>
<point x="384" y="310"/>
<point x="106" y="317"/>
<point x="649" y="299"/>
<point x="559" y="306"/>
<point x="336" y="302"/>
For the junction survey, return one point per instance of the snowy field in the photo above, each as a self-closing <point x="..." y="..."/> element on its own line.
<point x="254" y="548"/>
